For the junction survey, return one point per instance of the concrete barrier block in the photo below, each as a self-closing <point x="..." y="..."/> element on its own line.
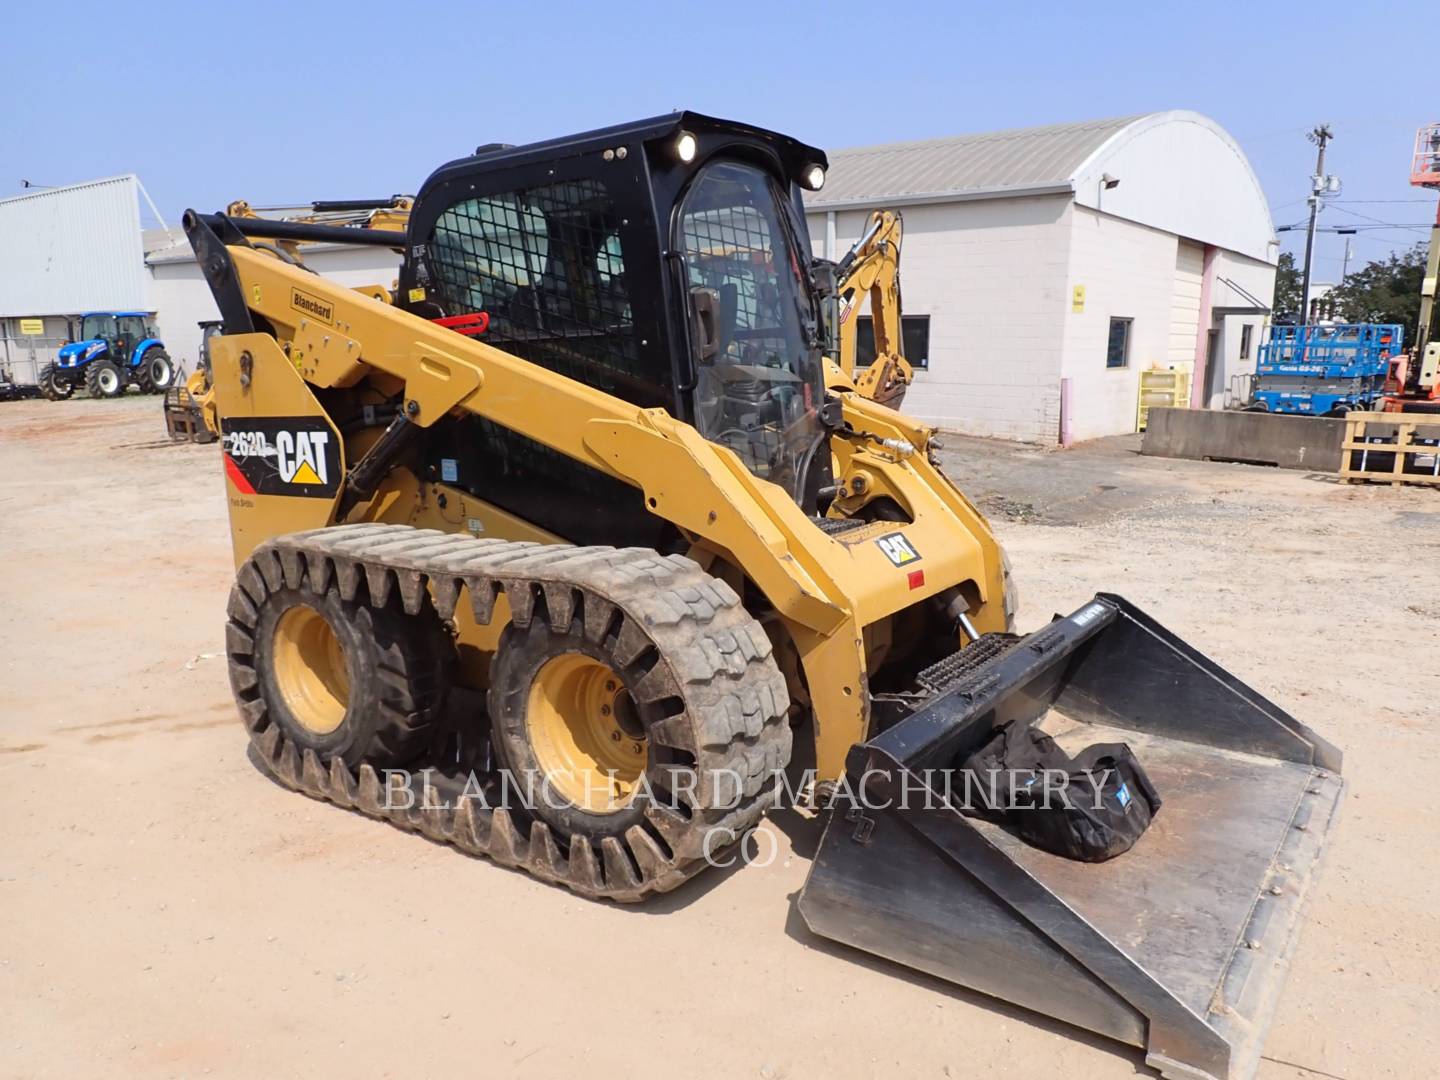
<point x="1253" y="438"/>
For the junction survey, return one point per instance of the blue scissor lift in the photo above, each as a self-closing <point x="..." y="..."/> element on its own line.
<point x="1324" y="370"/>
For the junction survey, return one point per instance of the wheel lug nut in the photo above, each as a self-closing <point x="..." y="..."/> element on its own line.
<point x="610" y="685"/>
<point x="614" y="736"/>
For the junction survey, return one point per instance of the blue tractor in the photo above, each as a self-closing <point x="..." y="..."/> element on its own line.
<point x="116" y="349"/>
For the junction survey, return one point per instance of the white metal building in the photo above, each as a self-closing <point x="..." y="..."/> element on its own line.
<point x="1054" y="264"/>
<point x="65" y="251"/>
<point x="69" y="250"/>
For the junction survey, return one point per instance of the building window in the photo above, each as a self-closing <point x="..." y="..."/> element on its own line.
<point x="1118" y="354"/>
<point x="1245" y="332"/>
<point x="915" y="343"/>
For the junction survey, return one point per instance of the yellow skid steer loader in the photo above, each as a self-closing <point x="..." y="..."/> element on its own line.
<point x="574" y="552"/>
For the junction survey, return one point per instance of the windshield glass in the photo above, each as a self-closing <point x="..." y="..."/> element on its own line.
<point x="759" y="391"/>
<point x="98" y="326"/>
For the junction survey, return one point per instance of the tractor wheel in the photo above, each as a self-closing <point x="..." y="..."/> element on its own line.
<point x="103" y="379"/>
<point x="53" y="388"/>
<point x="346" y="679"/>
<point x="156" y="372"/>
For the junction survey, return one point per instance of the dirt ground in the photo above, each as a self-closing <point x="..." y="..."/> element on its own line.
<point x="168" y="911"/>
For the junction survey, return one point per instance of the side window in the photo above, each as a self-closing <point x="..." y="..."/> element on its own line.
<point x="547" y="264"/>
<point x="915" y="334"/>
<point x="493" y="246"/>
<point x="132" y="329"/>
<point x="1245" y="334"/>
<point x="1117" y="354"/>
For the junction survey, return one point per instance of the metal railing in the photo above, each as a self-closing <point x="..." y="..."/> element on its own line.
<point x="23" y="357"/>
<point x="1241" y="390"/>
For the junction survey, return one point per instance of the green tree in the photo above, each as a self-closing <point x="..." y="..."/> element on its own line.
<point x="1287" y="287"/>
<point x="1384" y="291"/>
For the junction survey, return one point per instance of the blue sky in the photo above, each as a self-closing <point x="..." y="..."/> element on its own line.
<point x="285" y="103"/>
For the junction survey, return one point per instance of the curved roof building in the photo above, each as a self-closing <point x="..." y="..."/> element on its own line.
<point x="1054" y="264"/>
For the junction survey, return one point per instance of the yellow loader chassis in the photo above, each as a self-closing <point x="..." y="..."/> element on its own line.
<point x="827" y="590"/>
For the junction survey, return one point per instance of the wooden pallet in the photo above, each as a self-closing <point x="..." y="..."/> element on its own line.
<point x="1391" y="448"/>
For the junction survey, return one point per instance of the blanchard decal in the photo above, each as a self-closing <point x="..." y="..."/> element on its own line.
<point x="898" y="549"/>
<point x="313" y="306"/>
<point x="281" y="455"/>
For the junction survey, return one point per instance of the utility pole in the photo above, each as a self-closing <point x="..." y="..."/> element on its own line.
<point x="1318" y="183"/>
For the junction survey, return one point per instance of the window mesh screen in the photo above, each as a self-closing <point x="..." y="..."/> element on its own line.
<point x="731" y="247"/>
<point x="546" y="264"/>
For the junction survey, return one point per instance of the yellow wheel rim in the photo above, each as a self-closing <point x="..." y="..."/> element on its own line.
<point x="310" y="670"/>
<point x="586" y="733"/>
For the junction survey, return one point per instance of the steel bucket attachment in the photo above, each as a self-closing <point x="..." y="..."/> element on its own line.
<point x="1178" y="946"/>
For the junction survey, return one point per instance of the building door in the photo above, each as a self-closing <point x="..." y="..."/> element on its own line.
<point x="1185" y="301"/>
<point x="1214" y="367"/>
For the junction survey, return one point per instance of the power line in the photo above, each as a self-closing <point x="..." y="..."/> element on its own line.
<point x="1366" y="217"/>
<point x="1378" y="240"/>
<point x="1382" y="226"/>
<point x="1385" y="224"/>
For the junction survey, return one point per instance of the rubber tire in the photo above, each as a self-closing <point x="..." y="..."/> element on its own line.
<point x="399" y="674"/>
<point x="51" y="388"/>
<point x="700" y="705"/>
<point x="145" y="375"/>
<point x="94" y="370"/>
